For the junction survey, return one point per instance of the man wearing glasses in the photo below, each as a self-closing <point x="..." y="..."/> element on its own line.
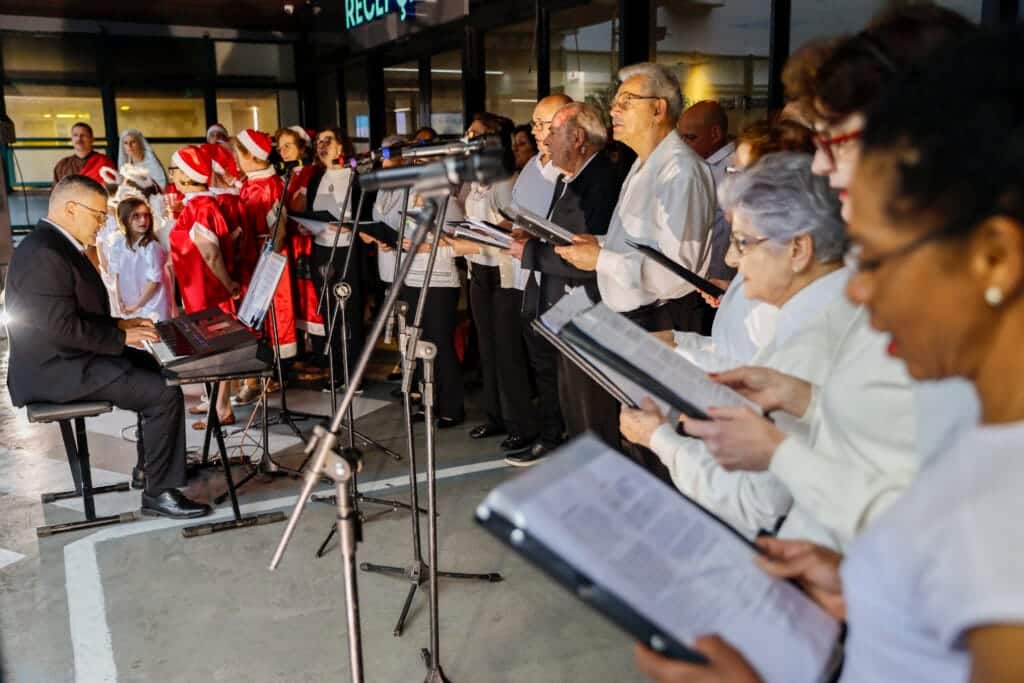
<point x="65" y="346"/>
<point x="667" y="202"/>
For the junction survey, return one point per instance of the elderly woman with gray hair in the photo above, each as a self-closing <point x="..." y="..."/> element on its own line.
<point x="788" y="239"/>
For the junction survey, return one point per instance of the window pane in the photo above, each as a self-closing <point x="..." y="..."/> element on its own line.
<point x="162" y="113"/>
<point x="585" y="53"/>
<point x="32" y="56"/>
<point x="241" y="109"/>
<point x="288" y="107"/>
<point x="820" y="18"/>
<point x="49" y="111"/>
<point x="718" y="53"/>
<point x="401" y="98"/>
<point x="255" y="60"/>
<point x="357" y="104"/>
<point x="146" y="59"/>
<point x="446" y="93"/>
<point x="511" y="72"/>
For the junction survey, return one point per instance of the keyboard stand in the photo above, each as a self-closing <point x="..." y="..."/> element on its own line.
<point x="238" y="521"/>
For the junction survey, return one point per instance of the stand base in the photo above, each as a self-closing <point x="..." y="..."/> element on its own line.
<point x="434" y="673"/>
<point x="278" y="472"/>
<point x="54" y="529"/>
<point x="417" y="574"/>
<point x="395" y="506"/>
<point x="227" y="525"/>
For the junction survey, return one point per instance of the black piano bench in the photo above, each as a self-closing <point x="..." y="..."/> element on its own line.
<point x="77" y="447"/>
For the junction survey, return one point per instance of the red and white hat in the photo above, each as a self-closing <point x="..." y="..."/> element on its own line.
<point x="194" y="163"/>
<point x="301" y="132"/>
<point x="259" y="144"/>
<point x="221" y="159"/>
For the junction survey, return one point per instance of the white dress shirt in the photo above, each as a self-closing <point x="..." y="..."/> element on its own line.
<point x="387" y="209"/>
<point x="533" y="191"/>
<point x="741" y="328"/>
<point x="667" y="202"/>
<point x="944" y="559"/>
<point x="719" y="162"/>
<point x="752" y="501"/>
<point x="482" y="203"/>
<point x="445" y="273"/>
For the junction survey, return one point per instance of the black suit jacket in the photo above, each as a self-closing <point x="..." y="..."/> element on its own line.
<point x="64" y="343"/>
<point x="586" y="206"/>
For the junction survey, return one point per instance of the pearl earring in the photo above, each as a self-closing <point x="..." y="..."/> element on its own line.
<point x="993" y="296"/>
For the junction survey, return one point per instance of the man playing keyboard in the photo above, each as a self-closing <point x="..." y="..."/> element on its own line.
<point x="65" y="346"/>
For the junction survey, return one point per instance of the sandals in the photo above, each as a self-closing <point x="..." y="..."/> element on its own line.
<point x="224" y="422"/>
<point x="201" y="409"/>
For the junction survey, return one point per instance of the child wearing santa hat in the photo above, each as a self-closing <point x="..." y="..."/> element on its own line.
<point x="224" y="184"/>
<point x="201" y="247"/>
<point x="262" y="194"/>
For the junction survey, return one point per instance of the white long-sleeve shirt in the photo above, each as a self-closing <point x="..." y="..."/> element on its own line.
<point x="387" y="209"/>
<point x="802" y="347"/>
<point x="482" y="203"/>
<point x="667" y="202"/>
<point x="742" y="327"/>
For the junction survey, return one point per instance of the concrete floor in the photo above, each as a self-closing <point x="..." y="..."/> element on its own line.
<point x="138" y="602"/>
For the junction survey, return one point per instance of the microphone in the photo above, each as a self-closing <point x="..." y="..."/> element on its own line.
<point x="482" y="167"/>
<point x="477" y="144"/>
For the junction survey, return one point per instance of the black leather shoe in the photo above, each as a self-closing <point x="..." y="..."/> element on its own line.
<point x="138" y="478"/>
<point x="449" y="422"/>
<point x="173" y="503"/>
<point x="529" y="457"/>
<point x="485" y="430"/>
<point x="517" y="442"/>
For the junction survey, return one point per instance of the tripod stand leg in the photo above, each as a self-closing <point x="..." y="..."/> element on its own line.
<point x="323" y="546"/>
<point x="400" y="626"/>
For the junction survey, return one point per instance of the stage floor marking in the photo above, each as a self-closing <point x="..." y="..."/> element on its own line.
<point x="87" y="612"/>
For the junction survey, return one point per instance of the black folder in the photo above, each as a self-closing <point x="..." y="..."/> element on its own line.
<point x="682" y="271"/>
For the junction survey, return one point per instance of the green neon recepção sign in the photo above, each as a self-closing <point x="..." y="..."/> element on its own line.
<point x="361" y="12"/>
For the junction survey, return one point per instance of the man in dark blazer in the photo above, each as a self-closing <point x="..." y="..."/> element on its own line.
<point x="65" y="346"/>
<point x="584" y="201"/>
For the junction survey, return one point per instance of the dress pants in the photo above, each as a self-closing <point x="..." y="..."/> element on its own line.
<point x="503" y="363"/>
<point x="585" y="405"/>
<point x="161" y="411"/>
<point x="439" y="328"/>
<point x="687" y="314"/>
<point x="544" y="359"/>
<point x="354" y="332"/>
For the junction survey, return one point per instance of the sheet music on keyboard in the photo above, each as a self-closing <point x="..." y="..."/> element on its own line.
<point x="261" y="289"/>
<point x="681" y="568"/>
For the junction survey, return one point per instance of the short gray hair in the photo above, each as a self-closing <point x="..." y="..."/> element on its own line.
<point x="784" y="199"/>
<point x="662" y="83"/>
<point x="587" y="117"/>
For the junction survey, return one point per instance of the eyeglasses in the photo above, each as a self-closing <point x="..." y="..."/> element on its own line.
<point x="540" y="125"/>
<point x="689" y="137"/>
<point x="855" y="261"/>
<point x="100" y="216"/>
<point x="626" y="99"/>
<point x="741" y="242"/>
<point x="828" y="144"/>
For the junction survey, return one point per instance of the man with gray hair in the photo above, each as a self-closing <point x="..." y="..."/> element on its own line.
<point x="667" y="202"/>
<point x="583" y="203"/>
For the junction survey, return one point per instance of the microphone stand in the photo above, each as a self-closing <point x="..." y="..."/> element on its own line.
<point x="339" y="465"/>
<point x="413" y="349"/>
<point x="342" y="292"/>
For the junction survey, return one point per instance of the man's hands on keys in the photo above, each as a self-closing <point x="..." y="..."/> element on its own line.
<point x="138" y="330"/>
<point x="639" y="424"/>
<point x="582" y="253"/>
<point x="815" y="568"/>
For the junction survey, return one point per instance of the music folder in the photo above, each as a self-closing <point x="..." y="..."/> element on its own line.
<point x="633" y="361"/>
<point x="540" y="227"/>
<point x="682" y="271"/>
<point x="475" y="233"/>
<point x="657" y="564"/>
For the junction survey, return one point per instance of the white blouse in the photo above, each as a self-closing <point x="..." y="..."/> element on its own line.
<point x="752" y="501"/>
<point x="482" y="203"/>
<point x="944" y="559"/>
<point x="134" y="270"/>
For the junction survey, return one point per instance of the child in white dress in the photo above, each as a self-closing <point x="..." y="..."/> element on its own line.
<point x="139" y="265"/>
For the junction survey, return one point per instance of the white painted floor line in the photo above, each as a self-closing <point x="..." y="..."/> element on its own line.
<point x="9" y="557"/>
<point x="87" y="611"/>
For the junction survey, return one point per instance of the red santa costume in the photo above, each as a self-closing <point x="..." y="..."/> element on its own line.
<point x="200" y="219"/>
<point x="230" y="202"/>
<point x="261" y="196"/>
<point x="300" y="246"/>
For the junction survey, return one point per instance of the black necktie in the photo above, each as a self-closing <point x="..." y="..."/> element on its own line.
<point x="532" y="295"/>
